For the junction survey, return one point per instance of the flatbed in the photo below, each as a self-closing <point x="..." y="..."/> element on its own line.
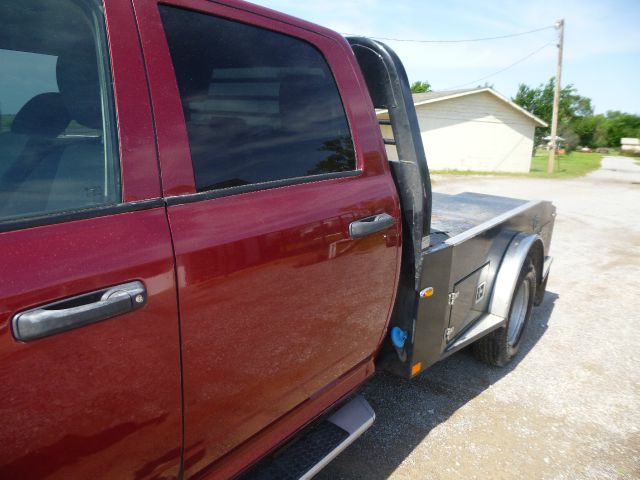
<point x="455" y="217"/>
<point x="464" y="255"/>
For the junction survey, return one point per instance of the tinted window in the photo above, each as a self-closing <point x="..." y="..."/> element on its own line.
<point x="259" y="105"/>
<point x="56" y="148"/>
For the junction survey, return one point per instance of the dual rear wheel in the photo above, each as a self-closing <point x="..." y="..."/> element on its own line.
<point x="501" y="345"/>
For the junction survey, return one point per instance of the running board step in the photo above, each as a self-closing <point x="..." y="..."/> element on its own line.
<point x="485" y="324"/>
<point x="316" y="446"/>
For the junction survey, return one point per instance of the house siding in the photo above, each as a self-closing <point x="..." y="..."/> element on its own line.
<point x="474" y="132"/>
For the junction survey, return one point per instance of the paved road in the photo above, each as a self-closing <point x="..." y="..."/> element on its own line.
<point x="568" y="407"/>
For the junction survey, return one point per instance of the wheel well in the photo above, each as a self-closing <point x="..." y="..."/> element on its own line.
<point x="523" y="245"/>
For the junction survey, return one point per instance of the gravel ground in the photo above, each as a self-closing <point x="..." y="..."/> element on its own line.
<point x="568" y="407"/>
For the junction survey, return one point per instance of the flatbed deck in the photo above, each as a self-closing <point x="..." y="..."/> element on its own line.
<point x="456" y="216"/>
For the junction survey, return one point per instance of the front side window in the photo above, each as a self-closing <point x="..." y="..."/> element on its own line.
<point x="56" y="122"/>
<point x="259" y="105"/>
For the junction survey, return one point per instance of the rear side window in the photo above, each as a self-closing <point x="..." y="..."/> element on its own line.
<point x="259" y="105"/>
<point x="56" y="123"/>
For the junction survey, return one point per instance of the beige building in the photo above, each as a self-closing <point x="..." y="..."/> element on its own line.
<point x="474" y="129"/>
<point x="630" y="145"/>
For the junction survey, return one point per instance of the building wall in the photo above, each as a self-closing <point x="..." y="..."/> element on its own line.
<point x="630" y="145"/>
<point x="475" y="132"/>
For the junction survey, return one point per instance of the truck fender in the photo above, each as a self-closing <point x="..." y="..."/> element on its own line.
<point x="507" y="276"/>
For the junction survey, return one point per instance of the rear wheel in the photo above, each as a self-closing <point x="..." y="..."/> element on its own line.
<point x="500" y="346"/>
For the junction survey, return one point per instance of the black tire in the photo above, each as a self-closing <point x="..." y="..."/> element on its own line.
<point x="499" y="347"/>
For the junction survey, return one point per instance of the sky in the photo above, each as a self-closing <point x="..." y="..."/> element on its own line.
<point x="601" y="44"/>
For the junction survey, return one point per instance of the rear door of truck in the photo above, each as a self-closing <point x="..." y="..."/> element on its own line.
<point x="256" y="123"/>
<point x="89" y="339"/>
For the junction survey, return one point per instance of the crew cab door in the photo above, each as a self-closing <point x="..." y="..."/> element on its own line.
<point x="285" y="235"/>
<point x="89" y="339"/>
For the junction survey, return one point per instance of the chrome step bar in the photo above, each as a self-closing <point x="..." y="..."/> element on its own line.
<point x="317" y="445"/>
<point x="354" y="418"/>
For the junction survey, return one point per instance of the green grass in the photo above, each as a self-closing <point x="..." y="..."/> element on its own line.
<point x="575" y="164"/>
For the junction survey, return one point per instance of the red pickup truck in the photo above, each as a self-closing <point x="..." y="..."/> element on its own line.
<point x="205" y="249"/>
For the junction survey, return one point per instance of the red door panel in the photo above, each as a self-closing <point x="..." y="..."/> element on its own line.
<point x="276" y="302"/>
<point x="101" y="401"/>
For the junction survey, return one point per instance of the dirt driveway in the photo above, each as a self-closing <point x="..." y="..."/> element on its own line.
<point x="568" y="407"/>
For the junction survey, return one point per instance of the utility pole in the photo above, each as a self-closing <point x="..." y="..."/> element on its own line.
<point x="556" y="99"/>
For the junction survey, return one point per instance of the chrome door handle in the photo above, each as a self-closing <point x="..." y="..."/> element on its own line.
<point x="367" y="226"/>
<point x="78" y="311"/>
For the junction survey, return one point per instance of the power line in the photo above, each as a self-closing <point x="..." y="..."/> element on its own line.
<point x="503" y="69"/>
<point x="482" y="39"/>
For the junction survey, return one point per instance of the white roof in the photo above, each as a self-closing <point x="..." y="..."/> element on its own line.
<point x="432" y="97"/>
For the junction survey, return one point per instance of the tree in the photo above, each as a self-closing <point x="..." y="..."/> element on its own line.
<point x="576" y="122"/>
<point x="591" y="130"/>
<point x="621" y="125"/>
<point x="420" y="87"/>
<point x="539" y="101"/>
<point x="341" y="157"/>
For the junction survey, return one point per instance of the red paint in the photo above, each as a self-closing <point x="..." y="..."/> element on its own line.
<point x="244" y="456"/>
<point x="136" y="140"/>
<point x="281" y="312"/>
<point x="276" y="301"/>
<point x="171" y="131"/>
<point x="102" y="401"/>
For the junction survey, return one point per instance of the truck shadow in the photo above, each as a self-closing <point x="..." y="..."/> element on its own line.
<point x="407" y="411"/>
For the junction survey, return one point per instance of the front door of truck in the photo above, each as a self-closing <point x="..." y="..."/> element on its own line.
<point x="89" y="340"/>
<point x="277" y="299"/>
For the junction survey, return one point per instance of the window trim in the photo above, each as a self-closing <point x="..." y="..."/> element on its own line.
<point x="257" y="187"/>
<point x="80" y="214"/>
<point x="117" y="208"/>
<point x="108" y="103"/>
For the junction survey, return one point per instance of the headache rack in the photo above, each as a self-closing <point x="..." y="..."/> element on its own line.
<point x="389" y="89"/>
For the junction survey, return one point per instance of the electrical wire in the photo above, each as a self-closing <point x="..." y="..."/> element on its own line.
<point x="467" y="40"/>
<point x="503" y="69"/>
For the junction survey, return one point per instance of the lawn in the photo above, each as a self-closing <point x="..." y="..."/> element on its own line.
<point x="574" y="164"/>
